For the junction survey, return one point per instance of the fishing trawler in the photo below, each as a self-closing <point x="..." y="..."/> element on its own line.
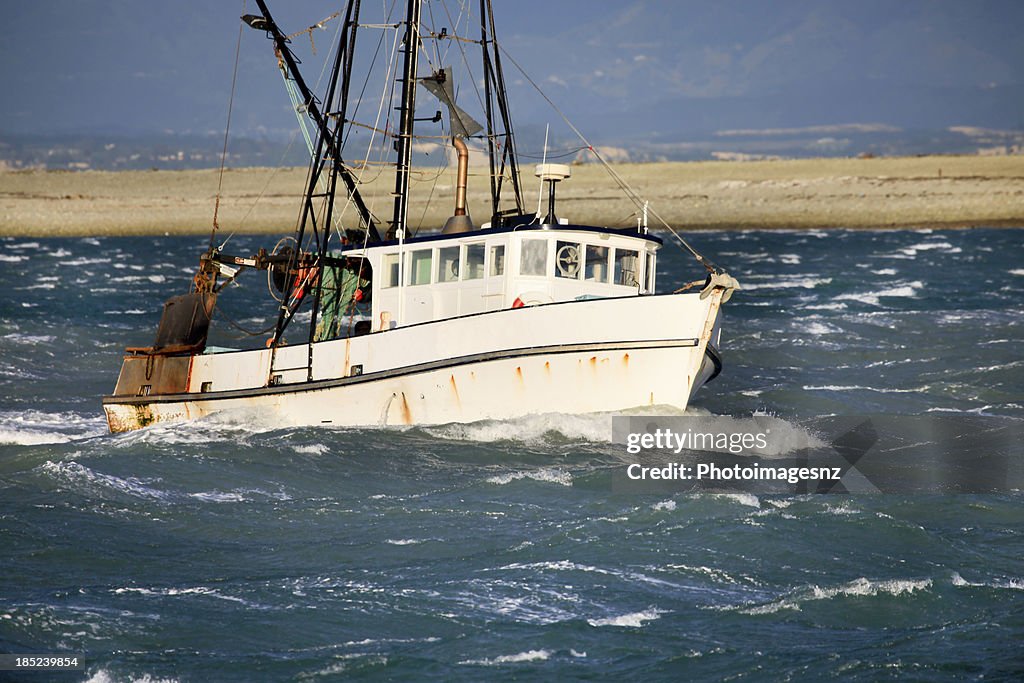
<point x="526" y="313"/>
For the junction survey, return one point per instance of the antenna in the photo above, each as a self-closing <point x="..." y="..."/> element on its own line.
<point x="540" y="185"/>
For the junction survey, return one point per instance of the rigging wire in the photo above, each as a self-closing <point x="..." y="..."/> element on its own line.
<point x="227" y="128"/>
<point x="619" y="180"/>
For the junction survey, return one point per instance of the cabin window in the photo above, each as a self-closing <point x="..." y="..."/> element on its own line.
<point x="567" y="260"/>
<point x="448" y="264"/>
<point x="650" y="273"/>
<point x="597" y="264"/>
<point x="497" y="261"/>
<point x="419" y="267"/>
<point x="626" y="263"/>
<point x="474" y="266"/>
<point x="534" y="257"/>
<point x="389" y="266"/>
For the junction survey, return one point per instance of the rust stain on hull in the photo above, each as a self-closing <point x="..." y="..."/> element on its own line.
<point x="455" y="391"/>
<point x="406" y="413"/>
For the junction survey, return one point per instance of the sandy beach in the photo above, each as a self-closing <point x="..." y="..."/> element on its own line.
<point x="935" y="191"/>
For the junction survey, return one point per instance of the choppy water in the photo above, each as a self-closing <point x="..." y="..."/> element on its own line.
<point x="220" y="551"/>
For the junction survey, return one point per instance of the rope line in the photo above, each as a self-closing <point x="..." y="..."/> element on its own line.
<point x="227" y="128"/>
<point x="619" y="180"/>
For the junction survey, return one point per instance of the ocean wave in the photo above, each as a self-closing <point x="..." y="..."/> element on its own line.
<point x="784" y="282"/>
<point x="1011" y="584"/>
<point x="551" y="475"/>
<point x="747" y="499"/>
<point x="190" y="591"/>
<point x="104" y="676"/>
<point x="861" y="587"/>
<point x="530" y="428"/>
<point x="528" y="656"/>
<point x="77" y="474"/>
<point x="311" y="449"/>
<point x="32" y="427"/>
<point x="907" y="290"/>
<point x="631" y="620"/>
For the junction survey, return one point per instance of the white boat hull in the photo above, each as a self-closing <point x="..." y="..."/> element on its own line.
<point x="573" y="357"/>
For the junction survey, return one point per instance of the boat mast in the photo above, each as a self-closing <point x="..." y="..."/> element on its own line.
<point x="494" y="89"/>
<point x="407" y="111"/>
<point x="327" y="136"/>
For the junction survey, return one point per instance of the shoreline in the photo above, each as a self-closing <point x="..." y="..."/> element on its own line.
<point x="935" y="192"/>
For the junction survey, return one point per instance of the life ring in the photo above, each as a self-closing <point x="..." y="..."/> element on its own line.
<point x="532" y="299"/>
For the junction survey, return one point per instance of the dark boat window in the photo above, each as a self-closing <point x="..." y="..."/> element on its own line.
<point x="568" y="261"/>
<point x="597" y="263"/>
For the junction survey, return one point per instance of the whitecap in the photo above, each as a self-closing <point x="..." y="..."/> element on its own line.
<point x="667" y="505"/>
<point x="748" y="499"/>
<point x="103" y="676"/>
<point x="311" y="449"/>
<point x="861" y="587"/>
<point x="588" y="427"/>
<point x="551" y="475"/>
<point x="528" y="656"/>
<point x="76" y="473"/>
<point x="782" y="282"/>
<point x="631" y="620"/>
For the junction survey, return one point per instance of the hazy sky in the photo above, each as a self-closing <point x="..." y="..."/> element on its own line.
<point x="665" y="67"/>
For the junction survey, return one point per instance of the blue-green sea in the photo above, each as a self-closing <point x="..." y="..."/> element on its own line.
<point x="221" y="550"/>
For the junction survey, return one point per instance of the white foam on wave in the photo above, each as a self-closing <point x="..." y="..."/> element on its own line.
<point x="104" y="676"/>
<point x="945" y="247"/>
<point x="33" y="427"/>
<point x="311" y="449"/>
<point x="791" y="282"/>
<point x="666" y="505"/>
<point x="179" y="592"/>
<point x="404" y="541"/>
<point x="631" y="620"/>
<point x="826" y="307"/>
<point x="857" y="387"/>
<point x="861" y="587"/>
<point x="905" y="290"/>
<point x="589" y="427"/>
<point x="816" y="328"/>
<point x="12" y="258"/>
<point x="747" y="499"/>
<point x="551" y="475"/>
<point x="1017" y="271"/>
<point x="1011" y="584"/>
<point x="77" y="474"/>
<point x="528" y="656"/>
